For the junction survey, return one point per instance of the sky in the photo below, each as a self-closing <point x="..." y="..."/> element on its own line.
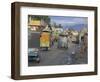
<point x="70" y="22"/>
<point x="76" y="23"/>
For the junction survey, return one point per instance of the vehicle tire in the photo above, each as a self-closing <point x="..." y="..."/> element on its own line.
<point x="38" y="61"/>
<point x="46" y="48"/>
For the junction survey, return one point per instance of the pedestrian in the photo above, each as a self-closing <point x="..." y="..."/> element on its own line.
<point x="84" y="44"/>
<point x="52" y="40"/>
<point x="60" y="41"/>
<point x="64" y="42"/>
<point x="69" y="41"/>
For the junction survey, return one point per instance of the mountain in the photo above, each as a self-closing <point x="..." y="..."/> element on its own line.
<point x="77" y="27"/>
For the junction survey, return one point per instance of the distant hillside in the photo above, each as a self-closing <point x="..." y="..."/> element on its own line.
<point x="77" y="27"/>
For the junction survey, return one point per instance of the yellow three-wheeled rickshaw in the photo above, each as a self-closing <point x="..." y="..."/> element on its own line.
<point x="45" y="40"/>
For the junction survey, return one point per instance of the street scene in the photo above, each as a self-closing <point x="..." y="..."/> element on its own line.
<point x="57" y="40"/>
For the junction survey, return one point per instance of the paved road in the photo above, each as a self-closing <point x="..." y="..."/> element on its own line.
<point x="59" y="56"/>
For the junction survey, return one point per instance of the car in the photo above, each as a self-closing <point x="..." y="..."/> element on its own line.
<point x="33" y="55"/>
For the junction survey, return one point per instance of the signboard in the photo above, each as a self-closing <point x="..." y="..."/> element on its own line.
<point x="35" y="22"/>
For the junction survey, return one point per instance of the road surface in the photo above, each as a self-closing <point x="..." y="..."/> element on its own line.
<point x="61" y="56"/>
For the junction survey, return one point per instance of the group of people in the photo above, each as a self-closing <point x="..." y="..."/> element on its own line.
<point x="63" y="41"/>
